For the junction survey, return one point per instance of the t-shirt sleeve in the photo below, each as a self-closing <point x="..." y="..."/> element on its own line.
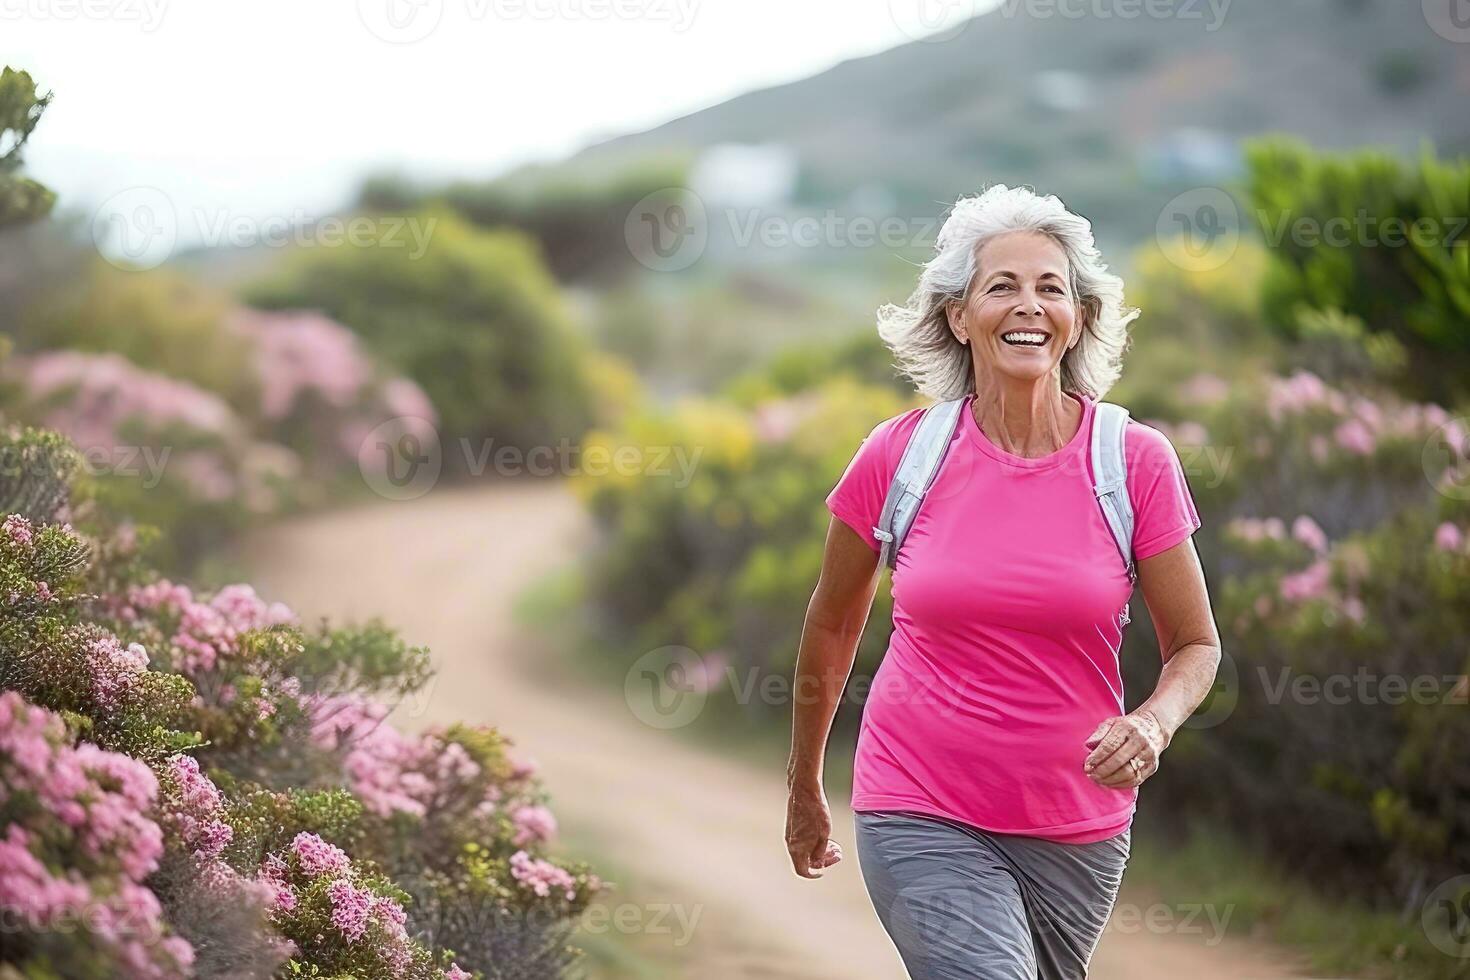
<point x="857" y="499"/>
<point x="1163" y="508"/>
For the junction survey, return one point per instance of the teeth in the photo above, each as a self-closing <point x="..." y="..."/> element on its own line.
<point x="1024" y="337"/>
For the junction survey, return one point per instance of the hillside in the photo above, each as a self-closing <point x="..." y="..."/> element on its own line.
<point x="1116" y="115"/>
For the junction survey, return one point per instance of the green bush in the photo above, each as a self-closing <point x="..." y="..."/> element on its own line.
<point x="475" y="320"/>
<point x="160" y="320"/>
<point x="577" y="218"/>
<point x="1330" y="528"/>
<point x="1368" y="236"/>
<point x="725" y="563"/>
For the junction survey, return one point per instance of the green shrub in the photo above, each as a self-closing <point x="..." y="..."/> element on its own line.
<point x="160" y="320"/>
<point x="1371" y="237"/>
<point x="474" y="320"/>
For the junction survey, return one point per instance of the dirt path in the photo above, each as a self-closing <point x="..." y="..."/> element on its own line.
<point x="703" y="833"/>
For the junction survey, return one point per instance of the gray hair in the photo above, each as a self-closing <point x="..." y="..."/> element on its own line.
<point x="927" y="351"/>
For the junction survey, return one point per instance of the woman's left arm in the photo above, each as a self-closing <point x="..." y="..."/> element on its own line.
<point x="1179" y="604"/>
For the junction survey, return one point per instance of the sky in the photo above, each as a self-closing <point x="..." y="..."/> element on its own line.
<point x="235" y="112"/>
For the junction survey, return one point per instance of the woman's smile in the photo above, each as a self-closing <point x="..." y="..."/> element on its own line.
<point x="1024" y="339"/>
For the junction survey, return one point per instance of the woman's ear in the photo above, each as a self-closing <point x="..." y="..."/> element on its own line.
<point x="953" y="315"/>
<point x="1090" y="310"/>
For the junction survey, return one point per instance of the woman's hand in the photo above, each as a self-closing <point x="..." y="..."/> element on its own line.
<point x="1125" y="750"/>
<point x="808" y="833"/>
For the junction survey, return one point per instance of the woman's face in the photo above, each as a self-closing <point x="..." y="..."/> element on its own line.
<point x="1021" y="291"/>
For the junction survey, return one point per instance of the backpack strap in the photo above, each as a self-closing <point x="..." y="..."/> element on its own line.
<point x="914" y="476"/>
<point x="1109" y="477"/>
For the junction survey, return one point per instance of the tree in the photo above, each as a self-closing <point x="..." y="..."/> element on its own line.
<point x="21" y="199"/>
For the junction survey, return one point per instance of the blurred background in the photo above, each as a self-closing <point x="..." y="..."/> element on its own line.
<point x="443" y="394"/>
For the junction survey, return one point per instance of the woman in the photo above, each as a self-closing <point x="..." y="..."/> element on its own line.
<point x="996" y="771"/>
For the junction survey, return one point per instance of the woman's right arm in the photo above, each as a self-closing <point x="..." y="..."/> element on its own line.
<point x="835" y="618"/>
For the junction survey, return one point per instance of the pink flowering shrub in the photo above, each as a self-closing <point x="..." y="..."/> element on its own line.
<point x="74" y="666"/>
<point x="454" y="818"/>
<point x="206" y="453"/>
<point x="216" y="787"/>
<point x="321" y="394"/>
<point x="163" y="450"/>
<point x="91" y="397"/>
<point x="339" y="915"/>
<point x="1333" y="538"/>
<point x="229" y="645"/>
<point x="221" y="912"/>
<point x="76" y="843"/>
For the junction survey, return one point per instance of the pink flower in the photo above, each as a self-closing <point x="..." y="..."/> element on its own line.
<point x="104" y="391"/>
<point x="115" y="670"/>
<point x="383" y="766"/>
<point x="99" y="802"/>
<point x="1307" y="531"/>
<point x="1310" y="583"/>
<point x="404" y="399"/>
<point x="455" y="973"/>
<point x="541" y="876"/>
<point x="283" y="896"/>
<point x="17" y="529"/>
<point x="301" y="352"/>
<point x="533" y="823"/>
<point x="1355" y="437"/>
<point x="196" y="790"/>
<point x="318" y="857"/>
<point x="1255" y="530"/>
<point x="206" y="630"/>
<point x="351" y="908"/>
<point x="213" y="838"/>
<point x="1294" y="394"/>
<point x="1448" y="537"/>
<point x="1205" y="389"/>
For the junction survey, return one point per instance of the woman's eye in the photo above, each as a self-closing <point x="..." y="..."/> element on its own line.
<point x="1000" y="285"/>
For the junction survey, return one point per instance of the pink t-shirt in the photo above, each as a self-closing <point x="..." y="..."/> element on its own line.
<point x="1007" y="605"/>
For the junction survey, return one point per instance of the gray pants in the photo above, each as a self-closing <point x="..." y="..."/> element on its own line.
<point x="962" y="903"/>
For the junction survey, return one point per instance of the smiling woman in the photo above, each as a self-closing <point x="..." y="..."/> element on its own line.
<point x="996" y="772"/>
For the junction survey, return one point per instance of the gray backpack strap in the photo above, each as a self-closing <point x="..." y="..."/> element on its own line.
<point x="1110" y="475"/>
<point x="915" y="474"/>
